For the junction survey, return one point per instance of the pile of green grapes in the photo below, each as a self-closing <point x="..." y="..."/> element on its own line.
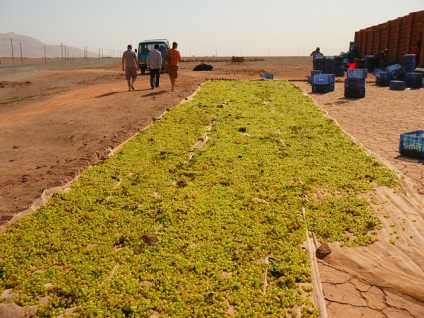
<point x="218" y="211"/>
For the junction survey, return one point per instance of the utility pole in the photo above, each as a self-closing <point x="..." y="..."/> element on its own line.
<point x="61" y="50"/>
<point x="20" y="46"/>
<point x="13" y="57"/>
<point x="45" y="55"/>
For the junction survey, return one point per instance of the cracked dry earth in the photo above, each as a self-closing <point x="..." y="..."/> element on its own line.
<point x="56" y="119"/>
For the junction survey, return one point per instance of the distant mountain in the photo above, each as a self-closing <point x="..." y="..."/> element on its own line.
<point x="33" y="48"/>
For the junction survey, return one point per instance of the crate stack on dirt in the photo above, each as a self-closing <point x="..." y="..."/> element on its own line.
<point x="323" y="83"/>
<point x="329" y="65"/>
<point x="381" y="78"/>
<point x="399" y="77"/>
<point x="413" y="79"/>
<point x="354" y="84"/>
<point x="324" y="72"/>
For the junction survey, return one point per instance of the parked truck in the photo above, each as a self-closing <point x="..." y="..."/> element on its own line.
<point x="145" y="47"/>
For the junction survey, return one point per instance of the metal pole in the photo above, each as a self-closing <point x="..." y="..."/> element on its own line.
<point x="13" y="57"/>
<point x="22" y="60"/>
<point x="45" y="55"/>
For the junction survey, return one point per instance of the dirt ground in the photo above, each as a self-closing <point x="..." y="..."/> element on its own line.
<point x="58" y="118"/>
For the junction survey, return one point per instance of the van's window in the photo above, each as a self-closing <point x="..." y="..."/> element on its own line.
<point x="145" y="48"/>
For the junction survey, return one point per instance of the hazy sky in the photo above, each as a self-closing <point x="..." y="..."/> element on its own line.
<point x="217" y="27"/>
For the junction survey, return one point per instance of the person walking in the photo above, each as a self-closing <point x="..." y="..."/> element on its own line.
<point x="174" y="58"/>
<point x="154" y="62"/>
<point x="130" y="66"/>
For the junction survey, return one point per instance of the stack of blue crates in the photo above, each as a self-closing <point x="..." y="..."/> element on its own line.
<point x="319" y="63"/>
<point x="339" y="70"/>
<point x="329" y="63"/>
<point x="412" y="79"/>
<point x="323" y="83"/>
<point x="355" y="83"/>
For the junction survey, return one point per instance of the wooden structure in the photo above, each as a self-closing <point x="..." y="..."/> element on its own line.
<point x="397" y="35"/>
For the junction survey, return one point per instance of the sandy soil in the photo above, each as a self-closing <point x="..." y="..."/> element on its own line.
<point x="58" y="118"/>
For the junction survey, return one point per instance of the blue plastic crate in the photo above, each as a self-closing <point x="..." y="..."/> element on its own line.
<point x="318" y="56"/>
<point x="266" y="76"/>
<point x="339" y="70"/>
<point x="377" y="72"/>
<point x="414" y="80"/>
<point x="354" y="92"/>
<point x="323" y="79"/>
<point x="409" y="61"/>
<point x="354" y="83"/>
<point x="396" y="71"/>
<point x="323" y="88"/>
<point x="357" y="73"/>
<point x="329" y="64"/>
<point x="412" y="144"/>
<point x="382" y="80"/>
<point x="397" y="85"/>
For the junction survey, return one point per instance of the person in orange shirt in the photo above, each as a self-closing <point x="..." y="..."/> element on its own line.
<point x="416" y="49"/>
<point x="174" y="58"/>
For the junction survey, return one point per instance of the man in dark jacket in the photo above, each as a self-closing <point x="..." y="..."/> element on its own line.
<point x="380" y="57"/>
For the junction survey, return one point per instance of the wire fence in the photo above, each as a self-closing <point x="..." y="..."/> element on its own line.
<point x="15" y="52"/>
